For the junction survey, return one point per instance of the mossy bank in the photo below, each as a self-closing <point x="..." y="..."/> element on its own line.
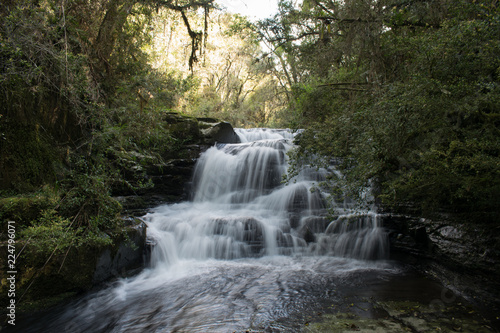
<point x="74" y="225"/>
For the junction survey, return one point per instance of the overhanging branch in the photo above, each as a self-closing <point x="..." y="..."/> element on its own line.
<point x="173" y="5"/>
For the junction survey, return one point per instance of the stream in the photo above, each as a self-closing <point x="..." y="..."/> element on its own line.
<point x="250" y="254"/>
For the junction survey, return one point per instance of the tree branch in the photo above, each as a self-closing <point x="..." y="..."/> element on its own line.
<point x="171" y="5"/>
<point x="348" y="20"/>
<point x="343" y="84"/>
<point x="322" y="7"/>
<point x="195" y="40"/>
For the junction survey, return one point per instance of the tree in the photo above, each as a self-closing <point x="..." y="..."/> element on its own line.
<point x="69" y="68"/>
<point x="230" y="79"/>
<point x="406" y="93"/>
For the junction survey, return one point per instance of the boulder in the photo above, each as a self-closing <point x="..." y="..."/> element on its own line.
<point x="126" y="255"/>
<point x="221" y="132"/>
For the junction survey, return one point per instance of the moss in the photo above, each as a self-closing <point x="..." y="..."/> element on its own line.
<point x="41" y="277"/>
<point x="23" y="209"/>
<point x="30" y="306"/>
<point x="181" y="127"/>
<point x="347" y="323"/>
<point x="29" y="160"/>
<point x="48" y="277"/>
<point x="404" y="316"/>
<point x="187" y="130"/>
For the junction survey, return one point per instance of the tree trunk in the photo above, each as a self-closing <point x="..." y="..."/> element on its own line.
<point x="116" y="15"/>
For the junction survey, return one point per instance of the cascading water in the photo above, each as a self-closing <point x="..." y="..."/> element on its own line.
<point x="246" y="252"/>
<point x="240" y="208"/>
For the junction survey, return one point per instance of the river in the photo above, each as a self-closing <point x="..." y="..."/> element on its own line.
<point x="249" y="253"/>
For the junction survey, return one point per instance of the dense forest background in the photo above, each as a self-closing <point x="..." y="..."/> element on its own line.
<point x="403" y="95"/>
<point x="406" y="92"/>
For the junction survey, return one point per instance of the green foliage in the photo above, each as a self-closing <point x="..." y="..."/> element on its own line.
<point x="54" y="234"/>
<point x="28" y="157"/>
<point x="82" y="110"/>
<point x="233" y="84"/>
<point x="23" y="209"/>
<point x="410" y="107"/>
<point x="87" y="198"/>
<point x="49" y="232"/>
<point x="39" y="62"/>
<point x="241" y="27"/>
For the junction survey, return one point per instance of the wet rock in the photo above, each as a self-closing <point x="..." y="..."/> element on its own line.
<point x="450" y="250"/>
<point x="309" y="236"/>
<point x="244" y="229"/>
<point x="284" y="239"/>
<point x="299" y="200"/>
<point x="316" y="224"/>
<point x="420" y="236"/>
<point x="311" y="226"/>
<point x="221" y="132"/>
<point x="127" y="254"/>
<point x="401" y="316"/>
<point x="450" y="232"/>
<point x="294" y="220"/>
<point x="345" y="224"/>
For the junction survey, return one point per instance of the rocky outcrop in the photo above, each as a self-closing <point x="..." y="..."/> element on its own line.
<point x="152" y="180"/>
<point x="218" y="132"/>
<point x="127" y="254"/>
<point x="464" y="257"/>
<point x="78" y="269"/>
<point x="147" y="178"/>
<point x="202" y="131"/>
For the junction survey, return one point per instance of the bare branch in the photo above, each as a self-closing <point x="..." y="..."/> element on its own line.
<point x="348" y="20"/>
<point x="172" y="5"/>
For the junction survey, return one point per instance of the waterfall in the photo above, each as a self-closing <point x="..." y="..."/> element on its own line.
<point x="240" y="208"/>
<point x="247" y="251"/>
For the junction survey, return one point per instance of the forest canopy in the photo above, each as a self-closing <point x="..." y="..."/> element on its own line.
<point x="403" y="94"/>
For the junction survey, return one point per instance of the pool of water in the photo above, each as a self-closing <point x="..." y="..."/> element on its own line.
<point x="249" y="253"/>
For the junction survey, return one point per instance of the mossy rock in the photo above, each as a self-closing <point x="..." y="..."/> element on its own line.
<point x="205" y="123"/>
<point x="221" y="132"/>
<point x="176" y="117"/>
<point x="74" y="270"/>
<point x="343" y="322"/>
<point x="29" y="159"/>
<point x="63" y="273"/>
<point x="208" y="120"/>
<point x="187" y="131"/>
<point x="403" y="316"/>
<point x="25" y="209"/>
<point x="184" y="128"/>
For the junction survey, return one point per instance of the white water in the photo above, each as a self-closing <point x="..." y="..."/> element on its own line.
<point x="246" y="251"/>
<point x="240" y="208"/>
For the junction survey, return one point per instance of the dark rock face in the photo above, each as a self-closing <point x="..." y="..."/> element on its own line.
<point x="463" y="256"/>
<point x="220" y="132"/>
<point x="80" y="268"/>
<point x="168" y="179"/>
<point x="315" y="224"/>
<point x="125" y="256"/>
